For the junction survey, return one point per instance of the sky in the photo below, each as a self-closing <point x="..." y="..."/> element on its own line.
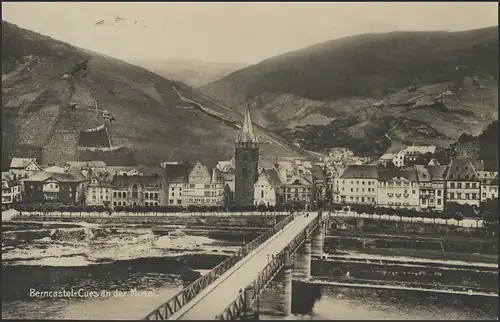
<point x="240" y="32"/>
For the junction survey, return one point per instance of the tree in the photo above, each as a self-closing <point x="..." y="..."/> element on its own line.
<point x="458" y="217"/>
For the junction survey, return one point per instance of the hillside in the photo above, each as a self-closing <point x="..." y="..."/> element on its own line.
<point x="55" y="97"/>
<point x="188" y="71"/>
<point x="373" y="90"/>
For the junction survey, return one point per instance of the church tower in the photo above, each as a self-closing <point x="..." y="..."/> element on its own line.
<point x="246" y="163"/>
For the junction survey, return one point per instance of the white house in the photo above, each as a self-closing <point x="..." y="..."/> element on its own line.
<point x="398" y="188"/>
<point x="24" y="167"/>
<point x="99" y="191"/>
<point x="462" y="183"/>
<point x="489" y="184"/>
<point x="265" y="189"/>
<point x="357" y="184"/>
<point x="11" y="190"/>
<point x="201" y="190"/>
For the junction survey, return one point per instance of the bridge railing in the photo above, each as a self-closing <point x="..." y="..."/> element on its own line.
<point x="173" y="305"/>
<point x="237" y="307"/>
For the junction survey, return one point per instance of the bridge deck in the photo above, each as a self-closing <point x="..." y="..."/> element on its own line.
<point x="215" y="298"/>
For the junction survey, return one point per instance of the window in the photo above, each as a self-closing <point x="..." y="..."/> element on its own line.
<point x="452" y="196"/>
<point x="474" y="196"/>
<point x="467" y="196"/>
<point x="459" y="195"/>
<point x="439" y="193"/>
<point x="178" y="202"/>
<point x="262" y="193"/>
<point x="173" y="194"/>
<point x="413" y="191"/>
<point x="439" y="201"/>
<point x="467" y="185"/>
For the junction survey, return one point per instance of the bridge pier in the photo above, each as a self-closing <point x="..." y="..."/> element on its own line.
<point x="285" y="307"/>
<point x="318" y="239"/>
<point x="302" y="262"/>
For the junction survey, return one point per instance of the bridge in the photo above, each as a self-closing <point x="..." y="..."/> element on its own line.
<point x="228" y="291"/>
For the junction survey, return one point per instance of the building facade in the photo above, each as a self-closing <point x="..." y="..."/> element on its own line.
<point x="298" y="191"/>
<point x="177" y="177"/>
<point x="11" y="190"/>
<point x="57" y="188"/>
<point x="462" y="183"/>
<point x="203" y="188"/>
<point x="431" y="182"/>
<point x="398" y="188"/>
<point x="357" y="184"/>
<point x="98" y="190"/>
<point x="23" y="168"/>
<point x="489" y="185"/>
<point x="246" y="163"/>
<point x="267" y="188"/>
<point x="138" y="190"/>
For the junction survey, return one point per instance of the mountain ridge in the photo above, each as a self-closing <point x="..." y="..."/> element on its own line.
<point x="52" y="92"/>
<point x="371" y="87"/>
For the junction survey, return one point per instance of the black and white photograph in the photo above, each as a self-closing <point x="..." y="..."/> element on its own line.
<point x="249" y="160"/>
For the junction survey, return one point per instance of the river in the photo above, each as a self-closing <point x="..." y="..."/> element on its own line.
<point x="125" y="274"/>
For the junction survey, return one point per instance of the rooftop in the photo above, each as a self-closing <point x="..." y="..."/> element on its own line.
<point x="360" y="171"/>
<point x="21" y="163"/>
<point x="408" y="174"/>
<point x="461" y="170"/>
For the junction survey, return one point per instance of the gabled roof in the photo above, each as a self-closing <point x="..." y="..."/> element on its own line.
<point x="437" y="172"/>
<point x="387" y="157"/>
<point x="274" y="177"/>
<point x="199" y="169"/>
<point x="408" y="174"/>
<point x="461" y="170"/>
<point x="354" y="171"/>
<point x="433" y="162"/>
<point x="318" y="172"/>
<point x="300" y="180"/>
<point x="21" y="163"/>
<point x="177" y="173"/>
<point x="61" y="177"/>
<point x="125" y="181"/>
<point x="423" y="173"/>
<point x="488" y="177"/>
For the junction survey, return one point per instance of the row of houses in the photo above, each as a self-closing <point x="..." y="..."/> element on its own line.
<point x="420" y="187"/>
<point x="289" y="181"/>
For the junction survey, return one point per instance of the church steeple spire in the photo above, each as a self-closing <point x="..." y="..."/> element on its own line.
<point x="247" y="135"/>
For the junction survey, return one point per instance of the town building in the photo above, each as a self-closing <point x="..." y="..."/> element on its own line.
<point x="246" y="163"/>
<point x="357" y="184"/>
<point x="298" y="191"/>
<point x="398" y="188"/>
<point x="431" y="183"/>
<point x="138" y="190"/>
<point x="57" y="188"/>
<point x="489" y="185"/>
<point x="320" y="186"/>
<point x="204" y="188"/>
<point x="386" y="160"/>
<point x="11" y="190"/>
<point x="268" y="188"/>
<point x="413" y="152"/>
<point x="463" y="185"/>
<point x="177" y="177"/>
<point x="98" y="190"/>
<point x="23" y="168"/>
